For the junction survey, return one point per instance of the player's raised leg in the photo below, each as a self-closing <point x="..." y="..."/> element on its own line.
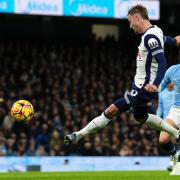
<point x="93" y="126"/>
<point x="141" y="115"/>
<point x="165" y="138"/>
<point x="169" y="148"/>
<point x="155" y="122"/>
<point x="120" y="105"/>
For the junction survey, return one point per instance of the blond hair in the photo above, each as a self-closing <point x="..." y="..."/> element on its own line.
<point x="140" y="10"/>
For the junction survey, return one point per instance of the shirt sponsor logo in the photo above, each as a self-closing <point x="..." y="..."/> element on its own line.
<point x="153" y="43"/>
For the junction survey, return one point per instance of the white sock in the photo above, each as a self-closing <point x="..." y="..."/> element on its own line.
<point x="95" y="125"/>
<point x="156" y="122"/>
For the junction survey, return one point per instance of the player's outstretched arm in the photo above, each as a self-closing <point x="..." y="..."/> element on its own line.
<point x="166" y="80"/>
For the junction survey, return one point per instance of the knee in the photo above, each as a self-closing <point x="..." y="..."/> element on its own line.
<point x="141" y="119"/>
<point x="163" y="139"/>
<point x="111" y="111"/>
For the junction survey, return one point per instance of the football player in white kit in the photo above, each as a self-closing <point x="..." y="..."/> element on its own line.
<point x="150" y="70"/>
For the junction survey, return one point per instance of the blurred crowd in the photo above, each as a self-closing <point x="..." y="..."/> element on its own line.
<point x="68" y="85"/>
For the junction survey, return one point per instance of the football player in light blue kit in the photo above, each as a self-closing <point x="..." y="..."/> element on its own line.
<point x="150" y="70"/>
<point x="173" y="118"/>
<point x="165" y="100"/>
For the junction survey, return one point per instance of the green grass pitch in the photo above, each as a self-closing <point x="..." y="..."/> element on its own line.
<point x="126" y="175"/>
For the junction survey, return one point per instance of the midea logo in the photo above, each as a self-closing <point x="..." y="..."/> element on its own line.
<point x="41" y="5"/>
<point x="80" y="8"/>
<point x="122" y="7"/>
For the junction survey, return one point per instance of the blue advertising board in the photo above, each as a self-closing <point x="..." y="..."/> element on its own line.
<point x="39" y="7"/>
<point x="78" y="163"/>
<point x="79" y="8"/>
<point x="7" y="6"/>
<point x="121" y="8"/>
<point x="88" y="8"/>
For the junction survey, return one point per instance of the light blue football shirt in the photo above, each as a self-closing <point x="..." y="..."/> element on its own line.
<point x="165" y="101"/>
<point x="173" y="75"/>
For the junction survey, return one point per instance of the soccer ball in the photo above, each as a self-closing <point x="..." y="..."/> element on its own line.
<point x="22" y="111"/>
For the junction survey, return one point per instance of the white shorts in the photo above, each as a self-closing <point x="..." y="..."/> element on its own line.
<point x="174" y="115"/>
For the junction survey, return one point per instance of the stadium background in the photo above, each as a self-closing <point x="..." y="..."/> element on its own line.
<point x="71" y="69"/>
